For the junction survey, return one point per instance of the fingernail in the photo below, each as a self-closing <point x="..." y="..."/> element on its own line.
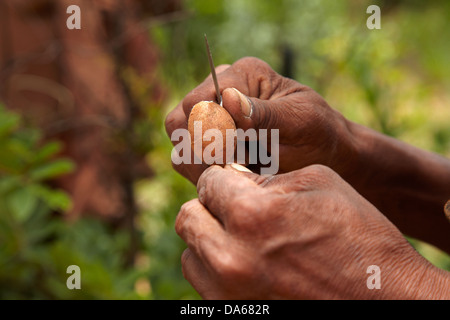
<point x="240" y="168"/>
<point x="246" y="107"/>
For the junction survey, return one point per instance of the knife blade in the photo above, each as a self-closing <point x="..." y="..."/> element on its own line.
<point x="213" y="71"/>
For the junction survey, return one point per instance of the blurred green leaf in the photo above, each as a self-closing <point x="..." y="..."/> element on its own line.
<point x="51" y="170"/>
<point x="8" y="183"/>
<point x="54" y="199"/>
<point x="47" y="151"/>
<point x="13" y="155"/>
<point x="395" y="80"/>
<point x="22" y="203"/>
<point x="8" y="123"/>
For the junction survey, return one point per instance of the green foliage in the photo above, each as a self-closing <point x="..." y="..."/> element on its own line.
<point x="160" y="200"/>
<point x="36" y="244"/>
<point x="395" y="80"/>
<point x="398" y="76"/>
<point x="24" y="165"/>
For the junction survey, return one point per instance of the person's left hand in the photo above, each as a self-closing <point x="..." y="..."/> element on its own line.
<point x="301" y="235"/>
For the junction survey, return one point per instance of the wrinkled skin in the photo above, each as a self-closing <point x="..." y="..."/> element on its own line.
<point x="342" y="199"/>
<point x="301" y="235"/>
<point x="312" y="131"/>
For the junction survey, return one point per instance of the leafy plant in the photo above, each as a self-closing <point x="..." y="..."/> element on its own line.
<point x="36" y="243"/>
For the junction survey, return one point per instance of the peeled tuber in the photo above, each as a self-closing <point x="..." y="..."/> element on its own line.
<point x="207" y="115"/>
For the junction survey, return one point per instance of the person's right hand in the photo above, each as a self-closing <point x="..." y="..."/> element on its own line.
<point x="306" y="234"/>
<point x="310" y="132"/>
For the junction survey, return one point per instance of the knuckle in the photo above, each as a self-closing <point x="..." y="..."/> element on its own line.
<point x="191" y="99"/>
<point x="206" y="176"/>
<point x="250" y="62"/>
<point x="170" y="123"/>
<point x="186" y="263"/>
<point x="179" y="223"/>
<point x="185" y="257"/>
<point x="316" y="175"/>
<point x="319" y="170"/>
<point x="247" y="212"/>
<point x="221" y="68"/>
<point x="229" y="266"/>
<point x="183" y="215"/>
<point x="187" y="207"/>
<point x="243" y="205"/>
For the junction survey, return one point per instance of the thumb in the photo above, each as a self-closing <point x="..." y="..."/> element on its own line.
<point x="249" y="112"/>
<point x="239" y="169"/>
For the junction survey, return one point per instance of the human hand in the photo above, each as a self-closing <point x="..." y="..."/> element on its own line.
<point x="310" y="132"/>
<point x="302" y="235"/>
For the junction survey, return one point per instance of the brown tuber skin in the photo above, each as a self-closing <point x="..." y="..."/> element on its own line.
<point x="212" y="116"/>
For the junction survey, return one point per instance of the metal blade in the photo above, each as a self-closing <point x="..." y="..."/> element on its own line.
<point x="213" y="71"/>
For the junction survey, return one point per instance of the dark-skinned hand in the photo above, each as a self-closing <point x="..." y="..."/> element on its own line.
<point x="301" y="235"/>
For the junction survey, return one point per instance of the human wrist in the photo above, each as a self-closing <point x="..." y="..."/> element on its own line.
<point x="354" y="160"/>
<point x="403" y="273"/>
<point x="373" y="158"/>
<point x="420" y="280"/>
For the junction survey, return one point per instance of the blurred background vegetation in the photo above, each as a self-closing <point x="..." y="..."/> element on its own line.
<point x="395" y="80"/>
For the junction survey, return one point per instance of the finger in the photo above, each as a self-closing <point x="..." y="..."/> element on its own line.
<point x="221" y="68"/>
<point x="218" y="190"/>
<point x="206" y="91"/>
<point x="176" y="119"/>
<point x="203" y="234"/>
<point x="190" y="171"/>
<point x="310" y="178"/>
<point x="249" y="112"/>
<point x="258" y="179"/>
<point x="197" y="274"/>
